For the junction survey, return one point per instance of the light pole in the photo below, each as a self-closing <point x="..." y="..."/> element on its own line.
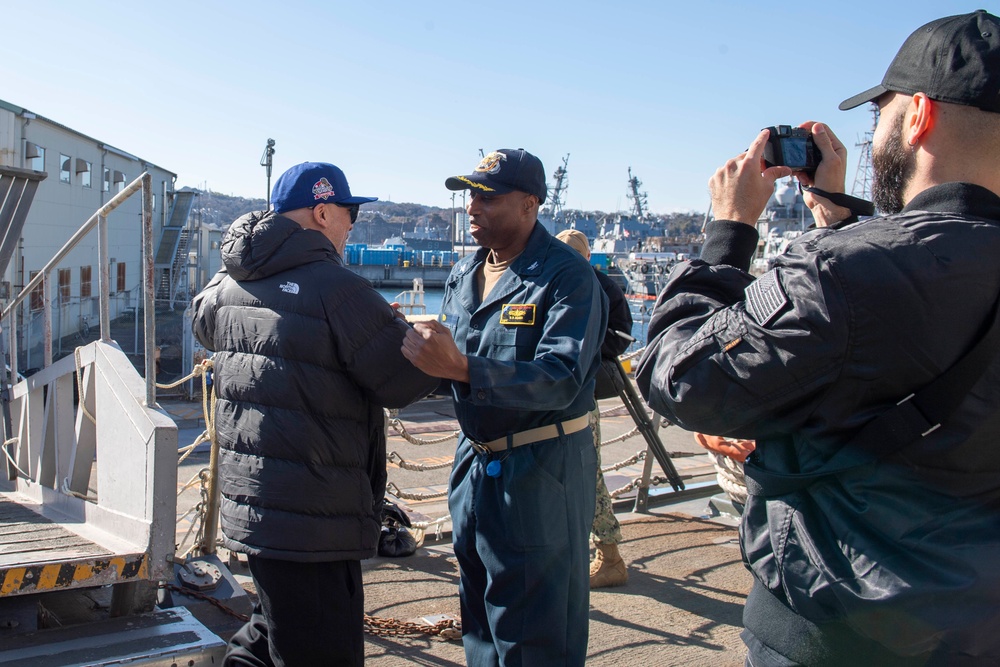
<point x="265" y="161"/>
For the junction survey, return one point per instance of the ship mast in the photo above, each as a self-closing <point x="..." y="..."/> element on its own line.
<point x="638" y="199"/>
<point x="555" y="207"/>
<point x="863" y="177"/>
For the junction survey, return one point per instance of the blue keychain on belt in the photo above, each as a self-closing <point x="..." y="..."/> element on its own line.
<point x="495" y="467"/>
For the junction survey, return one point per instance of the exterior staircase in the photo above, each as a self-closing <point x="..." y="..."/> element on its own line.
<point x="172" y="252"/>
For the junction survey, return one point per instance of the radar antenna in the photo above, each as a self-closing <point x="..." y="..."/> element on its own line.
<point x="638" y="199"/>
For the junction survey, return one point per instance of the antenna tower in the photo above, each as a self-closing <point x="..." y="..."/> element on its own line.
<point x="863" y="177"/>
<point x="638" y="199"/>
<point x="556" y="193"/>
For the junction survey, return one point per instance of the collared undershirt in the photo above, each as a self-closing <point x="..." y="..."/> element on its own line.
<point x="490" y="272"/>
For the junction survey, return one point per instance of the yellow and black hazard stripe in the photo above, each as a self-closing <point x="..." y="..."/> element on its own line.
<point x="73" y="574"/>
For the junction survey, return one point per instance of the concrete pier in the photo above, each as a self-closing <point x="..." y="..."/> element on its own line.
<point x="402" y="276"/>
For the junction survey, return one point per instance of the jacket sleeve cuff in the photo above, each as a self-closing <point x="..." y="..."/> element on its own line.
<point x="729" y="242"/>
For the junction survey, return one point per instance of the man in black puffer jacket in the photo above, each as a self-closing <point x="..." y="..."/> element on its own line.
<point x="307" y="355"/>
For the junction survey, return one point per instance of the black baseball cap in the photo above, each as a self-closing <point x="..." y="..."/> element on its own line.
<point x="502" y="171"/>
<point x="955" y="59"/>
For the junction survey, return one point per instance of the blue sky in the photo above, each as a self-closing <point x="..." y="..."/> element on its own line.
<point x="402" y="95"/>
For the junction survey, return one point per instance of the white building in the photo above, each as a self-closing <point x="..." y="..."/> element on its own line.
<point x="82" y="174"/>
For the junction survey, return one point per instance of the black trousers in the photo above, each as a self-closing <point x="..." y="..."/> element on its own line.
<point x="308" y="614"/>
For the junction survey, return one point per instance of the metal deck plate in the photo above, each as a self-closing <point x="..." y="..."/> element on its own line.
<point x="161" y="638"/>
<point x="37" y="554"/>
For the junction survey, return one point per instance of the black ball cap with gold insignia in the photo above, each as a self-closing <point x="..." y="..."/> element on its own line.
<point x="504" y="170"/>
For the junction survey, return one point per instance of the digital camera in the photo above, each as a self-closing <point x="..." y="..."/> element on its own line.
<point x="791" y="147"/>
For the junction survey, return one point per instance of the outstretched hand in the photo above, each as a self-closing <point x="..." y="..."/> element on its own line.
<point x="430" y="347"/>
<point x="736" y="449"/>
<point x="741" y="187"/>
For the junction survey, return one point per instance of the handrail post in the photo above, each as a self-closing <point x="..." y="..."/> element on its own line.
<point x="149" y="288"/>
<point x="103" y="277"/>
<point x="210" y="529"/>
<point x="12" y="323"/>
<point x="47" y="318"/>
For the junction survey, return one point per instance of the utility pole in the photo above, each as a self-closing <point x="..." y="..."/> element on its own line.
<point x="265" y="161"/>
<point x="451" y="224"/>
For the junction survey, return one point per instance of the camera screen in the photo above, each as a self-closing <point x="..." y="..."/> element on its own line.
<point x="794" y="151"/>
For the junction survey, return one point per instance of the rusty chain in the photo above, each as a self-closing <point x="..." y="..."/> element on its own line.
<point x="445" y="629"/>
<point x="238" y="615"/>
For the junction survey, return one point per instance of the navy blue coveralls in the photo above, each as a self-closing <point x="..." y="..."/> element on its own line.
<point x="521" y="538"/>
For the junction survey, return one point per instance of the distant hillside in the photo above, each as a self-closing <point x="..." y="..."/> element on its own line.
<point x="381" y="220"/>
<point x="215" y="208"/>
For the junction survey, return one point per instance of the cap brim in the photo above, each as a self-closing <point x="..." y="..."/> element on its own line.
<point x="869" y="95"/>
<point x="476" y="182"/>
<point x="358" y="200"/>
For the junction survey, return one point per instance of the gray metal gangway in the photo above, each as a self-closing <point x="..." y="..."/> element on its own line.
<point x="89" y="495"/>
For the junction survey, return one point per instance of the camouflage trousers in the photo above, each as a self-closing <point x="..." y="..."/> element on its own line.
<point x="606" y="529"/>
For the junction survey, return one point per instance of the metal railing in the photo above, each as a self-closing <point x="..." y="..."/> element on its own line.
<point x="43" y="278"/>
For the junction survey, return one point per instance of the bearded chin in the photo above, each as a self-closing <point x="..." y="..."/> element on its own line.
<point x="892" y="168"/>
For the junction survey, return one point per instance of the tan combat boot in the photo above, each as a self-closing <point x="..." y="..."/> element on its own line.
<point x="608" y="569"/>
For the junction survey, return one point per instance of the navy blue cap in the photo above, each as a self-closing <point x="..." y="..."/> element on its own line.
<point x="502" y="171"/>
<point x="312" y="183"/>
<point x="955" y="59"/>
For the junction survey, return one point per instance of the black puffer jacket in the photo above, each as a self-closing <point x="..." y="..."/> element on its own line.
<point x="902" y="553"/>
<point x="619" y="318"/>
<point x="306" y="356"/>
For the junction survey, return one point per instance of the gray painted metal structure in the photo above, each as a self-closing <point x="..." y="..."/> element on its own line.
<point x="17" y="190"/>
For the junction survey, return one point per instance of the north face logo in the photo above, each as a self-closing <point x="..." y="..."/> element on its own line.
<point x="290" y="287"/>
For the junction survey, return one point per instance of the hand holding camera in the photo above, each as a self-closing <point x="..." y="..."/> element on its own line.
<point x="812" y="153"/>
<point x="740" y="188"/>
<point x="829" y="174"/>
<point x="792" y="147"/>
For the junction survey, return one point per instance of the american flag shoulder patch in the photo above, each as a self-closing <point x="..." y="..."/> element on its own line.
<point x="765" y="298"/>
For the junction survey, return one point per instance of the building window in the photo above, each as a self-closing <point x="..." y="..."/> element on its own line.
<point x="107" y="179"/>
<point x="84" y="282"/>
<point x="34" y="156"/>
<point x="120" y="287"/>
<point x="83" y="168"/>
<point x="65" y="168"/>
<point x="65" y="276"/>
<point x="120" y="179"/>
<point x="37" y="296"/>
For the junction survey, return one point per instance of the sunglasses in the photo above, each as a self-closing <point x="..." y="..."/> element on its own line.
<point x="353" y="209"/>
